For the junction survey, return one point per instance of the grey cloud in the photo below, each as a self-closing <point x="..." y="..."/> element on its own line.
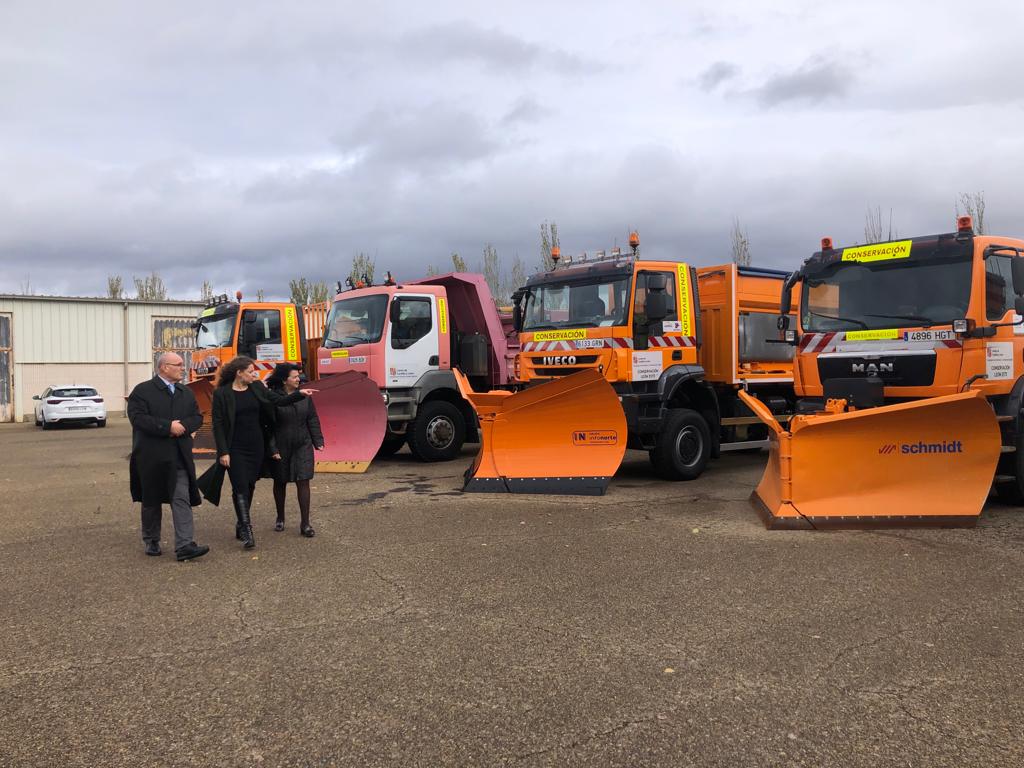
<point x="716" y="74"/>
<point x="496" y="50"/>
<point x="421" y="139"/>
<point x="525" y="110"/>
<point x="815" y="81"/>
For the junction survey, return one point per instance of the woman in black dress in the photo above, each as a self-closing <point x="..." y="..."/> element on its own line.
<point x="243" y="428"/>
<point x="297" y="434"/>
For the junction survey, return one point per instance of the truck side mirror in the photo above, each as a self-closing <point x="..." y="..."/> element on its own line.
<point x="786" y="299"/>
<point x="1018" y="305"/>
<point x="394" y="312"/>
<point x="657" y="282"/>
<point x="1017" y="266"/>
<point x="517" y="317"/>
<point x="656" y="305"/>
<point x="783" y="322"/>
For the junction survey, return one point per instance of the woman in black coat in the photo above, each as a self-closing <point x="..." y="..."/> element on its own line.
<point x="243" y="429"/>
<point x="297" y="434"/>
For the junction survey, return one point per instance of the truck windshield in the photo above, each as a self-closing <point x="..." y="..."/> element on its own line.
<point x="849" y="295"/>
<point x="577" y="304"/>
<point x="215" y="331"/>
<point x="359" y="320"/>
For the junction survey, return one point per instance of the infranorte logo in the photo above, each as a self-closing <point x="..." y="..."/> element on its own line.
<point x="921" y="447"/>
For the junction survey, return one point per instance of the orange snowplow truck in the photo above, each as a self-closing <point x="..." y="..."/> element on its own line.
<point x="910" y="381"/>
<point x="268" y="332"/>
<point x="672" y="345"/>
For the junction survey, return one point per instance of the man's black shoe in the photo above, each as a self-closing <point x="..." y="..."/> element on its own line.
<point x="191" y="551"/>
<point x="153" y="549"/>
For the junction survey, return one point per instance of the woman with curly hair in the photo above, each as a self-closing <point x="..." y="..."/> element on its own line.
<point x="296" y="436"/>
<point x="243" y="429"/>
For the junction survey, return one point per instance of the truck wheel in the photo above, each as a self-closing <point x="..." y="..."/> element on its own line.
<point x="438" y="432"/>
<point x="392" y="444"/>
<point x="683" y="447"/>
<point x="1012" y="492"/>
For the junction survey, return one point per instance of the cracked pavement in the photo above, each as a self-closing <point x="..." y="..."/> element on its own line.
<point x="659" y="625"/>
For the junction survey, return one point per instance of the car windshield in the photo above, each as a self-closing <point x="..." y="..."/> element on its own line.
<point x="577" y="304"/>
<point x="358" y="320"/>
<point x="74" y="392"/>
<point x="215" y="331"/>
<point x="851" y="295"/>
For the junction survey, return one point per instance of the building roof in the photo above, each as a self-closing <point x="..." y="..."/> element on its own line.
<point x="101" y="300"/>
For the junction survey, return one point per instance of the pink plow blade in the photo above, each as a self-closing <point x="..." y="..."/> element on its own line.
<point x="353" y="418"/>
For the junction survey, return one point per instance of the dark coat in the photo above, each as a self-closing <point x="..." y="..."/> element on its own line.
<point x="298" y="431"/>
<point x="211" y="482"/>
<point x="156" y="455"/>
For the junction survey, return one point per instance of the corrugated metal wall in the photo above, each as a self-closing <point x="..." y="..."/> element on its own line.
<point x="75" y="339"/>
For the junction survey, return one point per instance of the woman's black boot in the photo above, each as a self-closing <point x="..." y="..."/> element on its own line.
<point x="242" y="505"/>
<point x="238" y="517"/>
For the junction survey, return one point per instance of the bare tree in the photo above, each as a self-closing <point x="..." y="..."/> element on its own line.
<point x="362" y="269"/>
<point x="300" y="290"/>
<point x="206" y="292"/>
<point x="874" y="230"/>
<point x="740" y="244"/>
<point x="459" y="263"/>
<point x="517" y="275"/>
<point x="26" y="287"/>
<point x="432" y="270"/>
<point x="973" y="204"/>
<point x="548" y="240"/>
<point x="492" y="273"/>
<point x="115" y="287"/>
<point x="259" y="295"/>
<point x="150" y="288"/>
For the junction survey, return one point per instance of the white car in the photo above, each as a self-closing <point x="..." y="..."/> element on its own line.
<point x="68" y="404"/>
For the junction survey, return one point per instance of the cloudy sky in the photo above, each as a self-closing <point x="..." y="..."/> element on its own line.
<point x="248" y="143"/>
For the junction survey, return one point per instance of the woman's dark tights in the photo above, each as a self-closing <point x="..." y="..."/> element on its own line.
<point x="302" y="489"/>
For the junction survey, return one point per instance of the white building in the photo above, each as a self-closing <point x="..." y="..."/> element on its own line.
<point x="110" y="344"/>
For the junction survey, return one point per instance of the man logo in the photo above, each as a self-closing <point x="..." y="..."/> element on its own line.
<point x="871" y="369"/>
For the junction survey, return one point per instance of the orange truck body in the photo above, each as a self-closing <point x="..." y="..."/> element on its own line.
<point x="712" y="343"/>
<point x="909" y="374"/>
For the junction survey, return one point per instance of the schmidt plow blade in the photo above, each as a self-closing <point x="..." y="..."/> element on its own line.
<point x="353" y="418"/>
<point x="566" y="436"/>
<point x="202" y="443"/>
<point x="923" y="463"/>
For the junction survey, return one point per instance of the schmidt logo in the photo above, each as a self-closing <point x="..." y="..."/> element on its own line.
<point x="945" y="446"/>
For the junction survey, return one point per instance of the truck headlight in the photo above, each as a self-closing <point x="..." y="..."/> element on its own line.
<point x="960" y="326"/>
<point x="384" y="394"/>
<point x="790" y="336"/>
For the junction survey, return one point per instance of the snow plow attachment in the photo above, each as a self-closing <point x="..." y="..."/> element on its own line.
<point x="203" y="444"/>
<point x="928" y="462"/>
<point x="353" y="418"/>
<point x="565" y="436"/>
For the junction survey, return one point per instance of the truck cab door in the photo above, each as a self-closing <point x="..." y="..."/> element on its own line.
<point x="259" y="335"/>
<point x="412" y="346"/>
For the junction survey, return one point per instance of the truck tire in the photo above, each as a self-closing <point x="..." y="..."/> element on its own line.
<point x="438" y="432"/>
<point x="392" y="444"/>
<point x="1012" y="492"/>
<point x="683" y="445"/>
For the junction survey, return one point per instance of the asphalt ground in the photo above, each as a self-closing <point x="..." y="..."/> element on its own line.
<point x="659" y="625"/>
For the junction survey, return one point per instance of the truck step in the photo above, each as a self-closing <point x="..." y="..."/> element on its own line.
<point x="1008" y="449"/>
<point x="1004" y="479"/>
<point x="739" y="421"/>
<point x="1004" y="418"/>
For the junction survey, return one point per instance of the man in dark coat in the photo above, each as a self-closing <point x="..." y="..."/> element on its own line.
<point x="164" y="415"/>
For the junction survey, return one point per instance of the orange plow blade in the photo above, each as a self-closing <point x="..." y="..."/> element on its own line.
<point x="202" y="443"/>
<point x="928" y="462"/>
<point x="353" y="418"/>
<point x="566" y="436"/>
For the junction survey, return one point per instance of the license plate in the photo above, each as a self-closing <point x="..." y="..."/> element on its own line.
<point x="929" y="336"/>
<point x="78" y="408"/>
